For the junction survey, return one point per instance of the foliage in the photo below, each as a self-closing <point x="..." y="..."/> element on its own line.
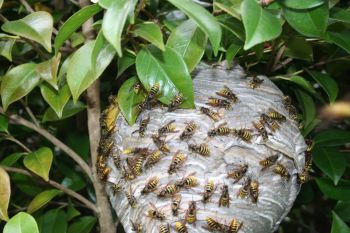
<point x="303" y="46"/>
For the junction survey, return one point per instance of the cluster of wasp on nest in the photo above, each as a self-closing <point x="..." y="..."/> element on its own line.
<point x="233" y="164"/>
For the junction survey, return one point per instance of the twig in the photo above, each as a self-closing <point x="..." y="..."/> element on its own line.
<point x="13" y="139"/>
<point x="21" y="121"/>
<point x="93" y="113"/>
<point x="68" y="191"/>
<point x="30" y="113"/>
<point x="139" y="7"/>
<point x="27" y="6"/>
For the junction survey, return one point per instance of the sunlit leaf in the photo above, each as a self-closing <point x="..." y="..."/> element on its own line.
<point x="5" y="193"/>
<point x="338" y="225"/>
<point x="21" y="223"/>
<point x="327" y="83"/>
<point x="39" y="162"/>
<point x="150" y="32"/>
<point x="305" y="4"/>
<point x="6" y="48"/>
<point x="231" y="10"/>
<point x="56" y="99"/>
<point x="70" y="109"/>
<point x="83" y="225"/>
<point x="339" y="192"/>
<point x="48" y="70"/>
<point x="42" y="199"/>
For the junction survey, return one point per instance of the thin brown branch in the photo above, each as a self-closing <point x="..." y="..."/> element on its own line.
<point x="30" y="113"/>
<point x="68" y="191"/>
<point x="27" y="6"/>
<point x="15" y="140"/>
<point x="71" y="153"/>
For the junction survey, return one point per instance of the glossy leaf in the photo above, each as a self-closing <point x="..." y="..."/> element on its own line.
<point x="299" y="48"/>
<point x="307" y="105"/>
<point x="37" y="27"/>
<point x="48" y="70"/>
<point x="124" y="62"/>
<point x="338" y="225"/>
<point x="6" y="48"/>
<point x="128" y="100"/>
<point x="5" y="193"/>
<point x="342" y="39"/>
<point x="232" y="52"/>
<point x="77" y="38"/>
<point x="231" y="10"/>
<point x="169" y="70"/>
<point x="73" y="23"/>
<point x="189" y="41"/>
<point x="327" y="83"/>
<point x="21" y="223"/>
<point x="305" y="4"/>
<point x="260" y="25"/>
<point x="4" y="122"/>
<point x="42" y="199"/>
<point x="330" y="161"/>
<point x="70" y="109"/>
<point x="117" y="12"/>
<point x="54" y="221"/>
<point x="39" y="162"/>
<point x="311" y="126"/>
<point x="83" y="225"/>
<point x="150" y="32"/>
<point x="11" y="159"/>
<point x="343" y="210"/>
<point x="333" y="137"/>
<point x="233" y="26"/>
<point x="56" y="99"/>
<point x="339" y="192"/>
<point x="310" y="22"/>
<point x="105" y="3"/>
<point x="18" y="82"/>
<point x="340" y="15"/>
<point x="72" y="212"/>
<point x="301" y="82"/>
<point x="203" y="19"/>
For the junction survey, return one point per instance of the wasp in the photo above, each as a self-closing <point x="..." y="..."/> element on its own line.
<point x="201" y="149"/>
<point x="117" y="187"/>
<point x="221" y="130"/>
<point x="209" y="189"/>
<point x="153" y="91"/>
<point x="225" y="197"/>
<point x="160" y="143"/>
<point x="215" y="102"/>
<point x="175" y="204"/>
<point x="303" y="177"/>
<point x="227" y="93"/>
<point x="189" y="130"/>
<point x="261" y="129"/>
<point x="143" y="126"/>
<point x="128" y="175"/>
<point x="180" y="227"/>
<point x="176" y="102"/>
<point x="137" y="165"/>
<point x="136" y="88"/>
<point x="131" y="198"/>
<point x="238" y="173"/>
<point x="244" y="190"/>
<point x="100" y="161"/>
<point x="155" y="213"/>
<point x="310" y="145"/>
<point x="136" y="227"/>
<point x="214" y="225"/>
<point x="187" y="182"/>
<point x="104" y="173"/>
<point x="178" y="159"/>
<point x="136" y="150"/>
<point x="243" y="134"/>
<point x="105" y="147"/>
<point x="164" y="228"/>
<point x="117" y="160"/>
<point x="254" y="190"/>
<point x="153" y="159"/>
<point x="282" y="171"/>
<point x="151" y="185"/>
<point x="273" y="114"/>
<point x="268" y="162"/>
<point x="213" y="115"/>
<point x="308" y="163"/>
<point x="191" y="213"/>
<point x="168" y="128"/>
<point x="234" y="226"/>
<point x="168" y="190"/>
<point x="272" y="124"/>
<point x="255" y="82"/>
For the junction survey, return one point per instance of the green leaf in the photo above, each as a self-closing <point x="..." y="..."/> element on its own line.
<point x="330" y="161"/>
<point x="83" y="225"/>
<point x="77" y="38"/>
<point x="203" y="19"/>
<point x="343" y="210"/>
<point x="1" y="2"/>
<point x="128" y="99"/>
<point x="105" y="3"/>
<point x="117" y="12"/>
<point x="232" y="52"/>
<point x="4" y="122"/>
<point x="342" y="39"/>
<point x="307" y="105"/>
<point x="231" y="10"/>
<point x="70" y="109"/>
<point x="11" y="159"/>
<point x="298" y="48"/>
<point x="56" y="99"/>
<point x="339" y="192"/>
<point x="150" y="32"/>
<point x="338" y="225"/>
<point x="189" y="41"/>
<point x="37" y="27"/>
<point x="327" y="83"/>
<point x="72" y="212"/>
<point x="332" y="137"/>
<point x="233" y="26"/>
<point x="21" y="223"/>
<point x="305" y="4"/>
<point x="124" y="62"/>
<point x="25" y="184"/>
<point x="6" y="48"/>
<point x="340" y="15"/>
<point x="18" y="82"/>
<point x="54" y="221"/>
<point x="42" y="199"/>
<point x="169" y="70"/>
<point x="260" y="25"/>
<point x="5" y="193"/>
<point x="73" y="23"/>
<point x="80" y="79"/>
<point x="301" y="82"/>
<point x="310" y="22"/>
<point x="307" y="129"/>
<point x="48" y="70"/>
<point x="39" y="162"/>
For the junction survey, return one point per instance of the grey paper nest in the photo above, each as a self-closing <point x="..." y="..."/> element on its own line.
<point x="276" y="193"/>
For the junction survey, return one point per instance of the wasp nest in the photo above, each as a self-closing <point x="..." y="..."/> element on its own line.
<point x="230" y="165"/>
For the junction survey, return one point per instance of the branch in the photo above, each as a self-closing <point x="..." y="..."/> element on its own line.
<point x="68" y="191"/>
<point x="21" y="121"/>
<point x="13" y="139"/>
